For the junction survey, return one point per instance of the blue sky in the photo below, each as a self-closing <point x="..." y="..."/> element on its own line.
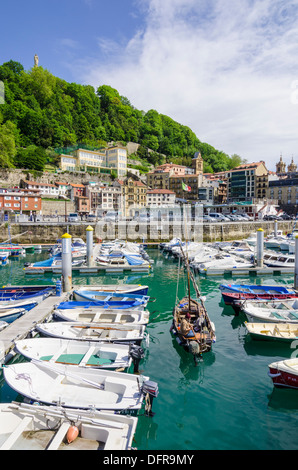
<point x="225" y="68"/>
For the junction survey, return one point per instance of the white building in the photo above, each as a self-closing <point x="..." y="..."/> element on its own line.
<point x="116" y="158"/>
<point x="160" y="197"/>
<point x="45" y="189"/>
<point x="96" y="161"/>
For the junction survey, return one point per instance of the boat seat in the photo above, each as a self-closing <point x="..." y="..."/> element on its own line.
<point x="56" y="441"/>
<point x="276" y="315"/>
<point x="294" y="314"/>
<point x="16" y="433"/>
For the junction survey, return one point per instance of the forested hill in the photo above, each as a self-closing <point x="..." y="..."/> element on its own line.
<point x="42" y="112"/>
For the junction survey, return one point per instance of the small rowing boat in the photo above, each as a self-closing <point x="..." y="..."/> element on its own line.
<point x="283" y="332"/>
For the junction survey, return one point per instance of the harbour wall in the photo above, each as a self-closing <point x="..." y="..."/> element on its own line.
<point x="156" y="232"/>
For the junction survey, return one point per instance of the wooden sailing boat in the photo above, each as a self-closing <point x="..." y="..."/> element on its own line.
<point x="191" y="323"/>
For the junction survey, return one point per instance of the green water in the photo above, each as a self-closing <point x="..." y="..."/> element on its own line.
<point x="228" y="402"/>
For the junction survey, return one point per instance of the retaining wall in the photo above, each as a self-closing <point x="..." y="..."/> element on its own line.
<point x="39" y="233"/>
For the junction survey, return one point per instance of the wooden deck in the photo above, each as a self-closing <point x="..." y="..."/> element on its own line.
<point x="21" y="327"/>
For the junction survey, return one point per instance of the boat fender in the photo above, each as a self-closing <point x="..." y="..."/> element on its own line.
<point x="72" y="434"/>
<point x="274" y="375"/>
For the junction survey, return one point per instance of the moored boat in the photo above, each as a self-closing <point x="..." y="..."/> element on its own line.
<point x="75" y="387"/>
<point x="104" y="332"/>
<point x="102" y="315"/>
<point x="117" y="288"/>
<point x="284" y="374"/>
<point x="31" y="427"/>
<point x="269" y="312"/>
<point x="281" y="332"/>
<point x="191" y="324"/>
<point x="112" y="299"/>
<point x="231" y="298"/>
<point x="257" y="289"/>
<point x="76" y="353"/>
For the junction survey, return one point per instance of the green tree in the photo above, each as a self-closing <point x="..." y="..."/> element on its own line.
<point x="31" y="158"/>
<point x="7" y="144"/>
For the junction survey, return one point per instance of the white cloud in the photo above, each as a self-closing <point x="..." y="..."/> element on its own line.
<point x="222" y="67"/>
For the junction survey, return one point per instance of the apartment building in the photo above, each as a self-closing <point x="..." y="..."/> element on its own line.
<point x="45" y="189"/>
<point x="285" y="190"/>
<point x="134" y="195"/>
<point x="116" y="158"/>
<point x="247" y="181"/>
<point x="105" y="198"/>
<point x="159" y="178"/>
<point x="160" y="197"/>
<point x="186" y="187"/>
<point x="19" y="202"/>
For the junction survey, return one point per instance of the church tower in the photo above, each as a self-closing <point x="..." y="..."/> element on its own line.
<point x="197" y="163"/>
<point x="292" y="167"/>
<point x="280" y="166"/>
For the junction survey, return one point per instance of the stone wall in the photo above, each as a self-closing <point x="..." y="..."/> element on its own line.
<point x="39" y="233"/>
<point x="10" y="178"/>
<point x="49" y="207"/>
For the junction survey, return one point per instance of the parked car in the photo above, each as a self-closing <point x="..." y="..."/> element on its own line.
<point x="111" y="216"/>
<point x="218" y="217"/>
<point x="231" y="217"/>
<point x="91" y="218"/>
<point x="245" y="217"/>
<point x="74" y="218"/>
<point x="285" y="217"/>
<point x="208" y="219"/>
<point x="270" y="217"/>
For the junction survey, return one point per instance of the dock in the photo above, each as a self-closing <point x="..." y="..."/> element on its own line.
<point x="21" y="327"/>
<point x="246" y="271"/>
<point x="91" y="269"/>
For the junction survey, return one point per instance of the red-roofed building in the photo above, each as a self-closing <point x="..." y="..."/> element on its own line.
<point x="160" y="197"/>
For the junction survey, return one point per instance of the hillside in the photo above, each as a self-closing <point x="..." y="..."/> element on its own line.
<point x="42" y="112"/>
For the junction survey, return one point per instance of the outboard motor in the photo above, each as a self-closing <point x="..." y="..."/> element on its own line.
<point x="150" y="390"/>
<point x="136" y="353"/>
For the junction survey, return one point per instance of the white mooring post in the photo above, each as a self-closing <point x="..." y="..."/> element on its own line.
<point x="260" y="248"/>
<point x="296" y="264"/>
<point x="89" y="241"/>
<point x="275" y="228"/>
<point x="66" y="263"/>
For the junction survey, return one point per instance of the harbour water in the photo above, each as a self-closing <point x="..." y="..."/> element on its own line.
<point x="228" y="402"/>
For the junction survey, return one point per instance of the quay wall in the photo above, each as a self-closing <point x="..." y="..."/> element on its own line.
<point x="48" y="233"/>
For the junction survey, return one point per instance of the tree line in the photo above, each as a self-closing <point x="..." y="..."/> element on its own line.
<point x="42" y="112"/>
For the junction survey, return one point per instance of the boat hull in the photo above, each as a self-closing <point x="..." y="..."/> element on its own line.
<point x="283" y="377"/>
<point x="231" y="298"/>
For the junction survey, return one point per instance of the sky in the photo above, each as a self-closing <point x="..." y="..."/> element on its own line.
<point x="228" y="69"/>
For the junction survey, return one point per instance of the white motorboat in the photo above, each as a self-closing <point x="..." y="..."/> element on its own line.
<point x="76" y="387"/>
<point x="92" y="331"/>
<point x="98" y="315"/>
<point x="204" y="255"/>
<point x="35" y="427"/>
<point x="76" y="353"/>
<point x="223" y="262"/>
<point x="279" y="260"/>
<point x="251" y="239"/>
<point x="284" y="332"/>
<point x="238" y="247"/>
